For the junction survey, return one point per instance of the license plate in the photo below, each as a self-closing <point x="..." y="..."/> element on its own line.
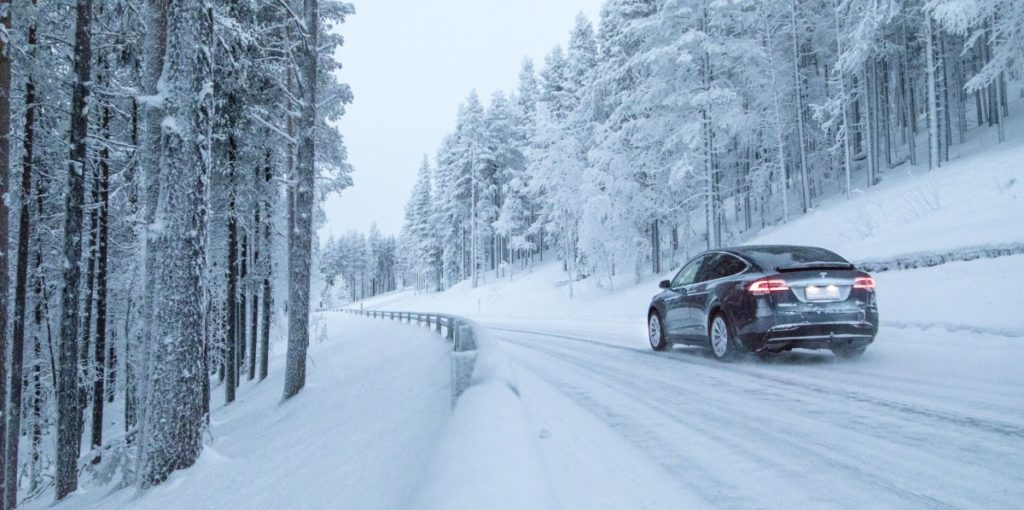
<point x="822" y="292"/>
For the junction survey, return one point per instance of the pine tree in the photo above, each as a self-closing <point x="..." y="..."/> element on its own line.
<point x="173" y="423"/>
<point x="69" y="429"/>
<point x="149" y="163"/>
<point x="9" y="478"/>
<point x="5" y="158"/>
<point x="300" y="241"/>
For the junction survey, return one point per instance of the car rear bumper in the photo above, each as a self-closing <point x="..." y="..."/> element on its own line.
<point x="814" y="335"/>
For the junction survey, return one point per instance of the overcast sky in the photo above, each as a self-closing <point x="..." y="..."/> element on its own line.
<point x="410" y="63"/>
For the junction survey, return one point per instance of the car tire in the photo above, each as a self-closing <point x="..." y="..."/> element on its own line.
<point x="848" y="352"/>
<point x="656" y="331"/>
<point x="722" y="340"/>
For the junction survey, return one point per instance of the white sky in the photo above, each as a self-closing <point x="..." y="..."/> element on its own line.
<point x="410" y="63"/>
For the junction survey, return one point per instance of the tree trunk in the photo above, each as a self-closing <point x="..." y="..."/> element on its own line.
<point x="69" y="432"/>
<point x="5" y="171"/>
<point x="867" y="95"/>
<point x="910" y="111"/>
<point x="933" y="121"/>
<point x="268" y="238"/>
<point x="301" y="238"/>
<point x="231" y="305"/>
<point x="85" y="368"/>
<point x="254" y="309"/>
<point x="99" y="355"/>
<point x="138" y="361"/>
<point x="780" y="148"/>
<point x="845" y="112"/>
<point x="805" y="192"/>
<point x="174" y="422"/>
<point x="943" y="85"/>
<point x="10" y="476"/>
<point x="243" y="300"/>
<point x="655" y="248"/>
<point x="36" y="453"/>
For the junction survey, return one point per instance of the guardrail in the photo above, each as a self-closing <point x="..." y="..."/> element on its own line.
<point x="919" y="260"/>
<point x="459" y="331"/>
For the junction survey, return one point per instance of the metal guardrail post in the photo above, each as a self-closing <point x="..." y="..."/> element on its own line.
<point x="466" y="340"/>
<point x="463" y="359"/>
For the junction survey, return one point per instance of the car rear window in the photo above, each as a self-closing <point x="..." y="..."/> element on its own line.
<point x="771" y="257"/>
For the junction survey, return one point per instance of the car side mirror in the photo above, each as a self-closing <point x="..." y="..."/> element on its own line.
<point x="665" y="284"/>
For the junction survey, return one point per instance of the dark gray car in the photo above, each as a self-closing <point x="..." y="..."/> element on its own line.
<point x="766" y="299"/>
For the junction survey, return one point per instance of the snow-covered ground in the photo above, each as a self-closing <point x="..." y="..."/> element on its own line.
<point x="924" y="420"/>
<point x="358" y="436"/>
<point x="975" y="199"/>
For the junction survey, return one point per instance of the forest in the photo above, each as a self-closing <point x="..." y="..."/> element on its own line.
<point x="677" y="125"/>
<point x="162" y="162"/>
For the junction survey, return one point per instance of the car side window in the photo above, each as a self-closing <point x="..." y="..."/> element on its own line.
<point x="720" y="265"/>
<point x="707" y="269"/>
<point x="688" y="273"/>
<point x="727" y="265"/>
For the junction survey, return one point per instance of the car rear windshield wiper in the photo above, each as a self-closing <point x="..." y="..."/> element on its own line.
<point x="815" y="265"/>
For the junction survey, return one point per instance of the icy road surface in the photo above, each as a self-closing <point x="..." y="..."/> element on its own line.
<point x="926" y="419"/>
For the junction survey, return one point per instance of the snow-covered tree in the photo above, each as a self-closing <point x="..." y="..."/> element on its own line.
<point x="684" y="121"/>
<point x="122" y="143"/>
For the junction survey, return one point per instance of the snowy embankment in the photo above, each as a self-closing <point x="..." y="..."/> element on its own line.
<point x="358" y="436"/>
<point x="488" y="456"/>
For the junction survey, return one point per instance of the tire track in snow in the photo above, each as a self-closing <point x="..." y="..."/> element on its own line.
<point x="969" y="422"/>
<point x="715" y="427"/>
<point x="978" y="463"/>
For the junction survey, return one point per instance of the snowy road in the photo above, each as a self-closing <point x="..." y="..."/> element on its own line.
<point x="926" y="419"/>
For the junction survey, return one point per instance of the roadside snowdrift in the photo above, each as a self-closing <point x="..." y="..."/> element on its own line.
<point x="488" y="456"/>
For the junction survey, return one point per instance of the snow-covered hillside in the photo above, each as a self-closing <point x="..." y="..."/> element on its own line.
<point x="975" y="200"/>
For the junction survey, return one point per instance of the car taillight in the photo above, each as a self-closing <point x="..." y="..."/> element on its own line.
<point x="766" y="286"/>
<point x="864" y="282"/>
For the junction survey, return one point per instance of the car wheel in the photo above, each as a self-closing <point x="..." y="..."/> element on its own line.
<point x="848" y="352"/>
<point x="724" y="344"/>
<point x="656" y="331"/>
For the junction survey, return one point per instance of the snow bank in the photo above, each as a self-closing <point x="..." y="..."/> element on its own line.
<point x="488" y="456"/>
<point x="980" y="296"/>
<point x="377" y="399"/>
<point x="973" y="200"/>
<point x="930" y="259"/>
